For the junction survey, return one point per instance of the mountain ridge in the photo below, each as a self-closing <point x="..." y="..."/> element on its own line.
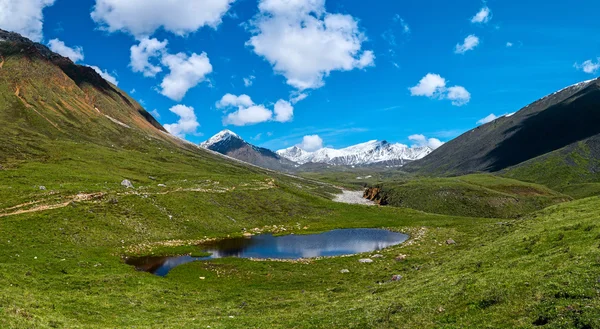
<point x="555" y="121"/>
<point x="368" y="153"/>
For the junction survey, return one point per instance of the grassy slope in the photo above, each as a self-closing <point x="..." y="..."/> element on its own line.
<point x="478" y="195"/>
<point x="574" y="170"/>
<point x="62" y="268"/>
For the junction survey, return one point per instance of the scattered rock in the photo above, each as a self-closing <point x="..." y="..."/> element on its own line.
<point x="202" y="278"/>
<point x="365" y="260"/>
<point x="151" y="178"/>
<point x="247" y="235"/>
<point x="441" y="309"/>
<point x="450" y="241"/>
<point x="400" y="258"/>
<point x="377" y="256"/>
<point x="162" y="185"/>
<point x="127" y="183"/>
<point x="43" y="188"/>
<point x="396" y="277"/>
<point x="345" y="271"/>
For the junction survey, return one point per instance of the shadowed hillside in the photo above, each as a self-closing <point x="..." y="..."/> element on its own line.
<point x="555" y="121"/>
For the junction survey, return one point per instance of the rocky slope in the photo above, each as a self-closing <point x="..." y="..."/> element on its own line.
<point x="228" y="143"/>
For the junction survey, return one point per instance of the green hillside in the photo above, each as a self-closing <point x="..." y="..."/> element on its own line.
<point x="473" y="195"/>
<point x="573" y="170"/>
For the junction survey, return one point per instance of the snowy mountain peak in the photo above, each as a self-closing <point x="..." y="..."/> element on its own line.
<point x="220" y="137"/>
<point x="371" y="152"/>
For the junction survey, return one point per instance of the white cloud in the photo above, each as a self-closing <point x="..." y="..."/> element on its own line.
<point x="304" y="43"/>
<point x="143" y="52"/>
<point x="75" y="53"/>
<point x="230" y="100"/>
<point x="185" y="73"/>
<point x="434" y="86"/>
<point x="470" y="43"/>
<point x="132" y="91"/>
<point x="248" y="116"/>
<point x="249" y="81"/>
<point x="284" y="111"/>
<point x="421" y="140"/>
<point x="155" y="114"/>
<point x="403" y="24"/>
<point x="24" y="17"/>
<point x="431" y="85"/>
<point x="458" y="95"/>
<point x="311" y="143"/>
<point x="107" y="76"/>
<point x="483" y="16"/>
<point x="248" y="113"/>
<point x="487" y="119"/>
<point x="187" y="123"/>
<point x="142" y="18"/>
<point x="509" y="44"/>
<point x="297" y="97"/>
<point x="589" y="66"/>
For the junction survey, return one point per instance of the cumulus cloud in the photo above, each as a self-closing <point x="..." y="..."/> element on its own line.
<point x="247" y="113"/>
<point x="187" y="123"/>
<point x="483" y="16"/>
<point x="304" y="43"/>
<point x="249" y="81"/>
<point x="422" y="141"/>
<point x="487" y="119"/>
<point x="24" y="17"/>
<point x="431" y="85"/>
<point x="142" y="18"/>
<point x="311" y="143"/>
<point x="230" y="100"/>
<point x="284" y="111"/>
<point x="458" y="95"/>
<point x="155" y="114"/>
<point x="143" y="52"/>
<point x="107" y="76"/>
<point x="434" y="86"/>
<point x="470" y="43"/>
<point x="509" y="44"/>
<point x="248" y="116"/>
<point x="185" y="73"/>
<point x="589" y="66"/>
<point x="75" y="53"/>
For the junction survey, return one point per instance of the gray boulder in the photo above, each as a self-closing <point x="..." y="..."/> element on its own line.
<point x="127" y="183"/>
<point x="365" y="260"/>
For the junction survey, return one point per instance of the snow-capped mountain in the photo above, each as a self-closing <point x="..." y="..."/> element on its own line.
<point x="229" y="143"/>
<point x="372" y="152"/>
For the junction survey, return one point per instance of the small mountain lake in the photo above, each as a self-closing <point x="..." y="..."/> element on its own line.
<point x="267" y="246"/>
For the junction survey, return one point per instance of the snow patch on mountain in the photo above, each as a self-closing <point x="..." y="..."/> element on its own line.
<point x="220" y="137"/>
<point x="371" y="152"/>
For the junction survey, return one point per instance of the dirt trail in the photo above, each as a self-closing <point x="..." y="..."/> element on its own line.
<point x="19" y="209"/>
<point x="29" y="106"/>
<point x="64" y="203"/>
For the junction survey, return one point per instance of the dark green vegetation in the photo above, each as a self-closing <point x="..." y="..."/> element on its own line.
<point x="61" y="246"/>
<point x="473" y="195"/>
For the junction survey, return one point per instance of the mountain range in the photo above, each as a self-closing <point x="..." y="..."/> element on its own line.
<point x="372" y="153"/>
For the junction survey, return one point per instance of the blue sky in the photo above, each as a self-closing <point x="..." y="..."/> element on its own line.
<point x="357" y="65"/>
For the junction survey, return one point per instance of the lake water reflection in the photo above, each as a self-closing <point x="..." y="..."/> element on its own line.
<point x="331" y="243"/>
